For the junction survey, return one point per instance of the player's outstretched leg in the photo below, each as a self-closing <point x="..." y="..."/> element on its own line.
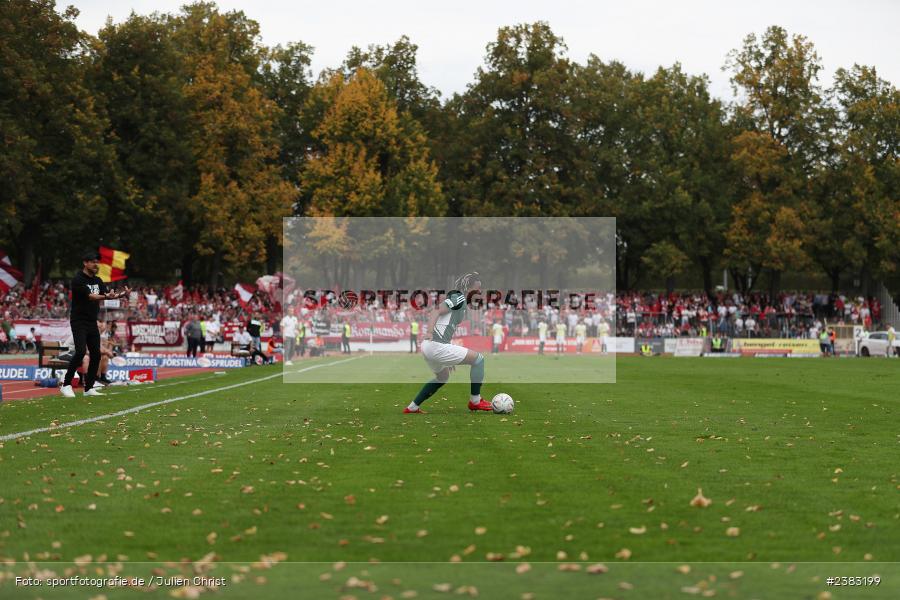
<point x="476" y="376"/>
<point x="427" y="392"/>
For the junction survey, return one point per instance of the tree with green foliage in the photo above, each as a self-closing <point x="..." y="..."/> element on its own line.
<point x="286" y="81"/>
<point x="139" y="74"/>
<point x="370" y="162"/>
<point x="513" y="152"/>
<point x="368" y="165"/>
<point x="239" y="196"/>
<point x="781" y="113"/>
<point x="857" y="209"/>
<point x="59" y="170"/>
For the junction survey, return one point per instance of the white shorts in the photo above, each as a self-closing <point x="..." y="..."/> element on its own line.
<point x="560" y="340"/>
<point x="440" y="356"/>
<point x="579" y="339"/>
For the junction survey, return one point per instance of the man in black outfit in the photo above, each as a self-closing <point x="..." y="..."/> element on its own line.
<point x="87" y="292"/>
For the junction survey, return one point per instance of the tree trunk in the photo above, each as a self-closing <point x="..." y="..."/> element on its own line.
<point x="670" y="285"/>
<point x="27" y="257"/>
<point x="273" y="255"/>
<point x="622" y="276"/>
<point x="187" y="268"/>
<point x="706" y="267"/>
<point x="774" y="284"/>
<point x="867" y="283"/>
<point x="740" y="280"/>
<point x="214" y="270"/>
<point x="835" y="276"/>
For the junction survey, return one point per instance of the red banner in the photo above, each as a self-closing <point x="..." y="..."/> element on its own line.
<point x="155" y="333"/>
<point x="383" y="332"/>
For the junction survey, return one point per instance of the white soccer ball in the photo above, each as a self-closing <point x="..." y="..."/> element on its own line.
<point x="503" y="404"/>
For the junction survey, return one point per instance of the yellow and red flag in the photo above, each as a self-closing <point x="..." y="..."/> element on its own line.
<point x="112" y="264"/>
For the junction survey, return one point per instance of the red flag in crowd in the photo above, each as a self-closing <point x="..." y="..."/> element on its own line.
<point x="277" y="286"/>
<point x="177" y="292"/>
<point x="244" y="292"/>
<point x="9" y="276"/>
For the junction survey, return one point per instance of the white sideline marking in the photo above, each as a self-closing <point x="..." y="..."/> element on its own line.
<point x="14" y="436"/>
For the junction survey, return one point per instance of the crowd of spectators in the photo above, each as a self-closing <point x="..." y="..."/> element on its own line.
<point x="789" y="315"/>
<point x="638" y="314"/>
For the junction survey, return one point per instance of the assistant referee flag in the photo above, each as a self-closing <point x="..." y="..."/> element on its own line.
<point x="112" y="264"/>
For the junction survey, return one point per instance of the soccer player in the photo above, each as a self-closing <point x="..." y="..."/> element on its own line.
<point x="560" y="337"/>
<point x="542" y="336"/>
<point x="603" y="332"/>
<point x="580" y="333"/>
<point x="442" y="357"/>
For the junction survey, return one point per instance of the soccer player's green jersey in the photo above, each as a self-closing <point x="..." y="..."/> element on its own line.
<point x="446" y="324"/>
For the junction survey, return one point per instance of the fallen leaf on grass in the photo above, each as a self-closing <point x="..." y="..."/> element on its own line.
<point x="733" y="531"/>
<point x="700" y="501"/>
<point x="624" y="554"/>
<point x="597" y="569"/>
<point x="638" y="530"/>
<point x="684" y="569"/>
<point x="480" y="530"/>
<point x="522" y="568"/>
<point x="188" y="591"/>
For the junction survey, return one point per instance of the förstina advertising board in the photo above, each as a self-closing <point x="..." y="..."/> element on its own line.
<point x="509" y="282"/>
<point x="183" y="362"/>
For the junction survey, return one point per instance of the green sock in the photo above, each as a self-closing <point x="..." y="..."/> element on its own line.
<point x="427" y="391"/>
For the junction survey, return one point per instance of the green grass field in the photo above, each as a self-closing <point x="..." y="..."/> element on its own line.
<point x="276" y="486"/>
<point x="587" y="368"/>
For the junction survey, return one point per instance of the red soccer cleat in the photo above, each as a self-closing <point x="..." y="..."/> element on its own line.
<point x="482" y="404"/>
<point x="406" y="411"/>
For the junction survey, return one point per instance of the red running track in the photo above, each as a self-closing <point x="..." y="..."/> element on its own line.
<point x="17" y="390"/>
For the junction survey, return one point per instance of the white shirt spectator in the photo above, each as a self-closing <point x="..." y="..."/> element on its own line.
<point x="289" y="326"/>
<point x="151" y="299"/>
<point x="212" y="330"/>
<point x="243" y="338"/>
<point x="572" y="321"/>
